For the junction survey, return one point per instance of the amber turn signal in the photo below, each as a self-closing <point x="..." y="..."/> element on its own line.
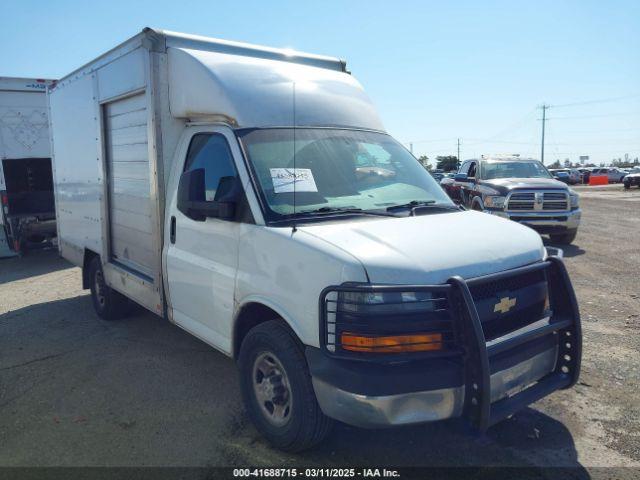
<point x="415" y="342"/>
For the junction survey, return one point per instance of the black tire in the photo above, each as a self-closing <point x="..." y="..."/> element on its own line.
<point x="108" y="304"/>
<point x="565" y="238"/>
<point x="305" y="425"/>
<point x="627" y="186"/>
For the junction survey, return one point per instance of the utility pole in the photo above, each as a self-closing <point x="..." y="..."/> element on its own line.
<point x="411" y="147"/>
<point x="544" y="120"/>
<point x="458" y="150"/>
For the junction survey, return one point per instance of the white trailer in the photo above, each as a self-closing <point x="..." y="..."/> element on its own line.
<point x="251" y="196"/>
<point x="26" y="188"/>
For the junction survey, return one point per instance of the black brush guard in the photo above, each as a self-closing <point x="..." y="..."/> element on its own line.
<point x="472" y="347"/>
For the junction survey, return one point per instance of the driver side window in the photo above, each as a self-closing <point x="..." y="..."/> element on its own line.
<point x="472" y="170"/>
<point x="211" y="152"/>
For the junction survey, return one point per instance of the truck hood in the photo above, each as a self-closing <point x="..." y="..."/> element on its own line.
<point x="429" y="249"/>
<point x="505" y="185"/>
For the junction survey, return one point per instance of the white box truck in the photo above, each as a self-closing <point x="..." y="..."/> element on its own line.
<point x="251" y="196"/>
<point x="26" y="186"/>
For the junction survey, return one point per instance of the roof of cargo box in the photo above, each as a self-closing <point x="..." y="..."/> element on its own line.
<point x="251" y="86"/>
<point x="198" y="42"/>
<point x="20" y="84"/>
<point x="249" y="92"/>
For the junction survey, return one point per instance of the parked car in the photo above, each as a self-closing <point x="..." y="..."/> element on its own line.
<point x="570" y="176"/>
<point x="518" y="189"/>
<point x="27" y="212"/>
<point x="324" y="260"/>
<point x="437" y="175"/>
<point x="631" y="179"/>
<point x="561" y="175"/>
<point x="447" y="176"/>
<point x="585" y="173"/>
<point x="615" y="175"/>
<point x="575" y="175"/>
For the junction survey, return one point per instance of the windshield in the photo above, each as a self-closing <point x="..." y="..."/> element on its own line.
<point x="335" y="169"/>
<point x="491" y="170"/>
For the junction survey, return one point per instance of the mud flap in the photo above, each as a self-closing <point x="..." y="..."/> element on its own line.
<point x="5" y="249"/>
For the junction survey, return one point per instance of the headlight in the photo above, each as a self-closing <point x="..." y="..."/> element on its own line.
<point x="574" y="198"/>
<point x="494" y="201"/>
<point x="365" y="302"/>
<point x="388" y="320"/>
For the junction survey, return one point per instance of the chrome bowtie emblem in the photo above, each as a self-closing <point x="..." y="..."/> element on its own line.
<point x="504" y="305"/>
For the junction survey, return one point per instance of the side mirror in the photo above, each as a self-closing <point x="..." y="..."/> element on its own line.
<point x="461" y="177"/>
<point x="193" y="201"/>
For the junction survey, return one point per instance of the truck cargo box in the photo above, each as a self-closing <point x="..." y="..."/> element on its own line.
<point x="26" y="183"/>
<point x="116" y="123"/>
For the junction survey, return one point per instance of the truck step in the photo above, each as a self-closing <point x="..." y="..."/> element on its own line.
<point x="508" y="406"/>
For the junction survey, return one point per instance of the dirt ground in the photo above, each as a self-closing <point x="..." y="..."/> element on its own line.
<point x="77" y="391"/>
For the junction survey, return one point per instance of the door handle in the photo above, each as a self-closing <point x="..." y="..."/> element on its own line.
<point x="172" y="230"/>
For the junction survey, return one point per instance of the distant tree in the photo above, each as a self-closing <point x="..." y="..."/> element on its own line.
<point x="424" y="161"/>
<point x="567" y="163"/>
<point x="447" y="163"/>
<point x="555" y="164"/>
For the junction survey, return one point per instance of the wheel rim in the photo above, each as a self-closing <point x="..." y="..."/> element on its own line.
<point x="271" y="389"/>
<point x="100" y="288"/>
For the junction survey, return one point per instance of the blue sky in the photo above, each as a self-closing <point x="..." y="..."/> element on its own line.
<point x="437" y="71"/>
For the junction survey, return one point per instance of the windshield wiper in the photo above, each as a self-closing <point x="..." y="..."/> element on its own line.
<point x="348" y="210"/>
<point x="411" y="204"/>
<point x="415" y="204"/>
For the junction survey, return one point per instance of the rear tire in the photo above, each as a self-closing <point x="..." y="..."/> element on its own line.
<point x="108" y="304"/>
<point x="277" y="390"/>
<point x="627" y="186"/>
<point x="565" y="238"/>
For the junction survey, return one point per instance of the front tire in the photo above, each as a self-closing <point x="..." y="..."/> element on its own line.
<point x="108" y="304"/>
<point x="277" y="390"/>
<point x="565" y="238"/>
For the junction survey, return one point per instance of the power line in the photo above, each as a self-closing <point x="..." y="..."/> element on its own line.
<point x="590" y="102"/>
<point x="515" y="126"/>
<point x="616" y="152"/>
<point x="615" y="130"/>
<point x="440" y="140"/>
<point x="609" y="142"/>
<point x="619" y="114"/>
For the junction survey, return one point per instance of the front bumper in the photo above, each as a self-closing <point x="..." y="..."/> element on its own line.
<point x="490" y="381"/>
<point x="631" y="180"/>
<point x="378" y="411"/>
<point x="544" y="222"/>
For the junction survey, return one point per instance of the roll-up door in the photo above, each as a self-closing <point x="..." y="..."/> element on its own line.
<point x="129" y="185"/>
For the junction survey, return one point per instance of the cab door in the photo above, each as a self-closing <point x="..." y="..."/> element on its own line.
<point x="202" y="255"/>
<point x="467" y="187"/>
<point x="456" y="185"/>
